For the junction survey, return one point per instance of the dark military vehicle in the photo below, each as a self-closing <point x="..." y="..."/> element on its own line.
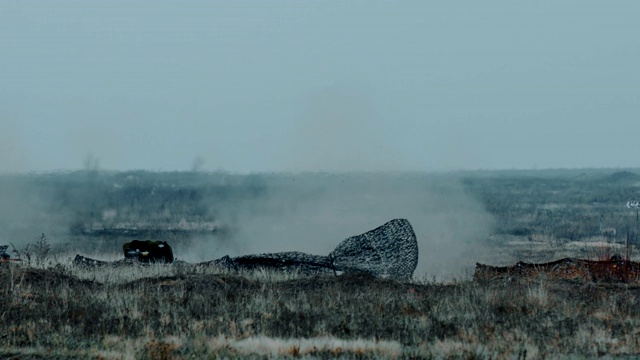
<point x="148" y="251"/>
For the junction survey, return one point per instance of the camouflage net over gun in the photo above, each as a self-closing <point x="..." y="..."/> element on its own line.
<point x="389" y="251"/>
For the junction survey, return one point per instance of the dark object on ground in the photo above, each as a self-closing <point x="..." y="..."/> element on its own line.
<point x="3" y="252"/>
<point x="286" y="261"/>
<point x="135" y="252"/>
<point x="389" y="251"/>
<point x="4" y="257"/>
<point x="148" y="251"/>
<point x="83" y="261"/>
<point x="615" y="270"/>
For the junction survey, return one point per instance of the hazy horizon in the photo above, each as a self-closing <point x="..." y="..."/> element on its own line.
<point x="284" y="86"/>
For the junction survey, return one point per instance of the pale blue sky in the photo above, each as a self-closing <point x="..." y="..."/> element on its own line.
<point x="319" y="85"/>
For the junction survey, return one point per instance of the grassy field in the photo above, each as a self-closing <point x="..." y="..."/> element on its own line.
<point x="162" y="312"/>
<point x="49" y="308"/>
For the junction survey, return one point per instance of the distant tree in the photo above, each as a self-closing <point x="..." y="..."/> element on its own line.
<point x="91" y="163"/>
<point x="197" y="164"/>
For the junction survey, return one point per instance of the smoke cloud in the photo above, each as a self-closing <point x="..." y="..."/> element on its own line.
<point x="314" y="212"/>
<point x="259" y="213"/>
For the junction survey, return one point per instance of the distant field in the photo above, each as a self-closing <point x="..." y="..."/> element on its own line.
<point x="50" y="308"/>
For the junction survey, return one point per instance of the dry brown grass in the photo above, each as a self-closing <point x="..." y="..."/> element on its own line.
<point x="166" y="312"/>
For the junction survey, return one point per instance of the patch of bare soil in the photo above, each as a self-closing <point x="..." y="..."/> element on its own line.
<point x="605" y="271"/>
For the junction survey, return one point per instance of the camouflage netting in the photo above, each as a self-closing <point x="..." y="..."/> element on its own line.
<point x="286" y="261"/>
<point x="389" y="251"/>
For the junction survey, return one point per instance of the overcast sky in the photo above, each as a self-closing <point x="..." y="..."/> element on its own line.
<point x="319" y="85"/>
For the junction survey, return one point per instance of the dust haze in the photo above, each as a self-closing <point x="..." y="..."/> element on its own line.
<point x="314" y="212"/>
<point x="258" y="213"/>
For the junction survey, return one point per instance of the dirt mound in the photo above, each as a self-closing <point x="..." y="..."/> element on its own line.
<point x="610" y="271"/>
